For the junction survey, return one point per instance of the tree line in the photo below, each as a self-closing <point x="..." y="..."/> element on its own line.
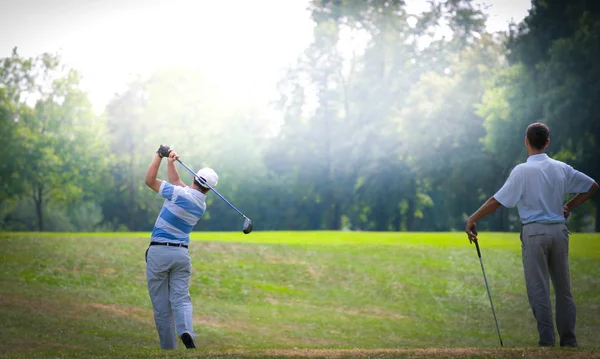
<point x="403" y="130"/>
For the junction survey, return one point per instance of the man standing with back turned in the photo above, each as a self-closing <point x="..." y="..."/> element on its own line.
<point x="168" y="263"/>
<point x="538" y="188"/>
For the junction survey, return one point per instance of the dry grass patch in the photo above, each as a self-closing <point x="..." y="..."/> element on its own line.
<point x="412" y="353"/>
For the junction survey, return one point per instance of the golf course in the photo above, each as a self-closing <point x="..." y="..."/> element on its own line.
<point x="300" y="179"/>
<point x="331" y="294"/>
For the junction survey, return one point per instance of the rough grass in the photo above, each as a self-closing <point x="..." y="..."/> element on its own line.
<point x="330" y="353"/>
<point x="285" y="294"/>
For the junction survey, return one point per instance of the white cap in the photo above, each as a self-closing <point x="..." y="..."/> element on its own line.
<point x="209" y="175"/>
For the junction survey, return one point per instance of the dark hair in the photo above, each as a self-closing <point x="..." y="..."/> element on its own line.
<point x="202" y="188"/>
<point x="538" y="134"/>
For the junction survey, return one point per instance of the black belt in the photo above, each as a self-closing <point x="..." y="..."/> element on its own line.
<point x="524" y="224"/>
<point x="168" y="244"/>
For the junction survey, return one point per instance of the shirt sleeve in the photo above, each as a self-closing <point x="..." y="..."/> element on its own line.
<point x="512" y="190"/>
<point x="578" y="182"/>
<point x="168" y="191"/>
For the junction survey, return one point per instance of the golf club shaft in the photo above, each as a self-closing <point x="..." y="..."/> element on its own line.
<point x="488" y="292"/>
<point x="209" y="186"/>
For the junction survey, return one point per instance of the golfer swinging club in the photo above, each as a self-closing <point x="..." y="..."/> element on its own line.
<point x="538" y="188"/>
<point x="168" y="263"/>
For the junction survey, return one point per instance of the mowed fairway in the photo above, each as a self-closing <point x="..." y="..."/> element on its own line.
<point x="356" y="294"/>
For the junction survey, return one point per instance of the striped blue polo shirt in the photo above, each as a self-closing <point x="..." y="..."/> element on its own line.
<point x="183" y="207"/>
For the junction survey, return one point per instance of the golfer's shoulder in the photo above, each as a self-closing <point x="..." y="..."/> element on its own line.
<point x="186" y="191"/>
<point x="194" y="196"/>
<point x="524" y="172"/>
<point x="550" y="166"/>
<point x="519" y="169"/>
<point x="560" y="164"/>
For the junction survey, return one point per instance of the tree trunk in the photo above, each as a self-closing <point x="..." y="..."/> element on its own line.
<point x="397" y="221"/>
<point x="504" y="214"/>
<point x="412" y="204"/>
<point x="336" y="219"/>
<point x="379" y="215"/>
<point x="498" y="220"/>
<point x="38" y="200"/>
<point x="410" y="214"/>
<point x="132" y="204"/>
<point x="597" y="224"/>
<point x="331" y="214"/>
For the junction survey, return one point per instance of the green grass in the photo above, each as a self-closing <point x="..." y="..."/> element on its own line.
<point x="64" y="293"/>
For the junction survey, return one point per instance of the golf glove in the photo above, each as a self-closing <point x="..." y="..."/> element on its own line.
<point x="163" y="151"/>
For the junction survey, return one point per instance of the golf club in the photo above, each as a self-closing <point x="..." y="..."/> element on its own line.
<point x="488" y="291"/>
<point x="247" y="227"/>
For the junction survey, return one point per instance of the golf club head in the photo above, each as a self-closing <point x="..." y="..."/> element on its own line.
<point x="247" y="225"/>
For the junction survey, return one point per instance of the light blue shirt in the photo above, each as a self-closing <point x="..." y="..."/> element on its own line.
<point x="181" y="210"/>
<point x="538" y="188"/>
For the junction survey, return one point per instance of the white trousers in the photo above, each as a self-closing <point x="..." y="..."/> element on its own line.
<point x="168" y="272"/>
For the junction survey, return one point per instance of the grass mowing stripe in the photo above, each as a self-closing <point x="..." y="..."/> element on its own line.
<point x="282" y="290"/>
<point x="584" y="244"/>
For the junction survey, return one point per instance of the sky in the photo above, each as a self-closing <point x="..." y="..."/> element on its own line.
<point x="242" y="45"/>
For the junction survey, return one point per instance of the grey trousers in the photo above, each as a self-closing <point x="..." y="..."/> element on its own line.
<point x="168" y="272"/>
<point x="545" y="250"/>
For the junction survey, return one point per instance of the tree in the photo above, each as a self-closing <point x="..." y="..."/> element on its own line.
<point x="443" y="132"/>
<point x="13" y="83"/>
<point x="180" y="108"/>
<point x="507" y="108"/>
<point x="372" y="99"/>
<point x="558" y="46"/>
<point x="60" y="140"/>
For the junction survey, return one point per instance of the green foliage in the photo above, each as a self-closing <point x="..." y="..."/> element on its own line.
<point x="58" y="139"/>
<point x="178" y="107"/>
<point x="13" y="85"/>
<point x="379" y="125"/>
<point x="86" y="216"/>
<point x="557" y="45"/>
<point x="22" y="217"/>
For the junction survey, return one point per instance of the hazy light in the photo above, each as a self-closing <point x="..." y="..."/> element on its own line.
<point x="241" y="45"/>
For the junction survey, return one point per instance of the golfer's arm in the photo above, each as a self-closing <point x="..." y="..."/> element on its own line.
<point x="487" y="208"/>
<point x="173" y="175"/>
<point x="151" y="180"/>
<point x="580" y="198"/>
